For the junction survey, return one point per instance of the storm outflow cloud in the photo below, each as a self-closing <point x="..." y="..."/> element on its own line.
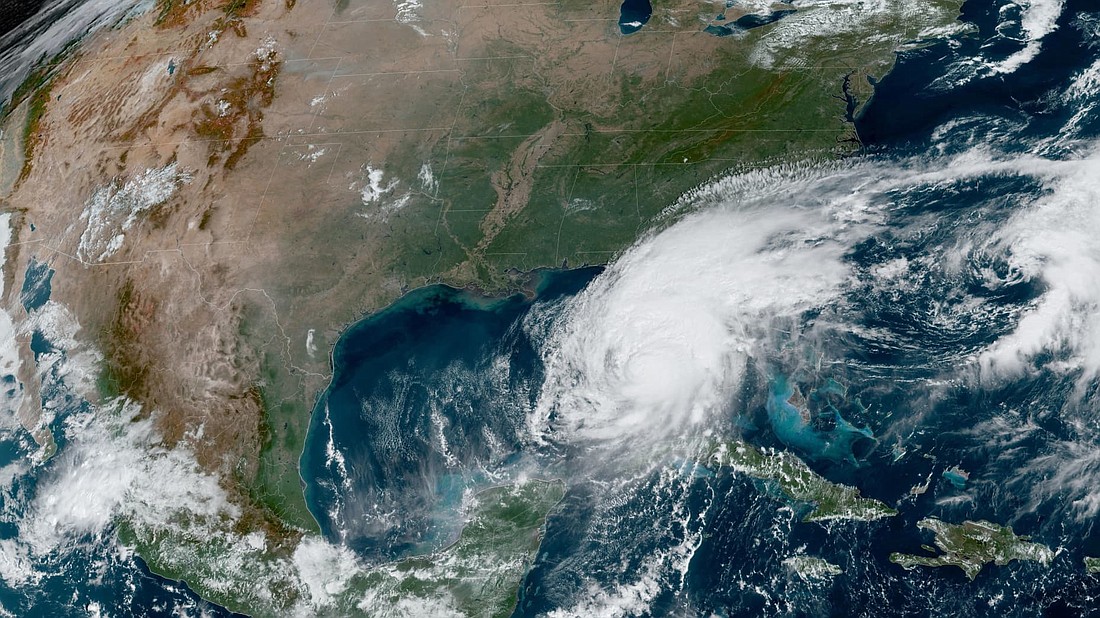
<point x="655" y="346"/>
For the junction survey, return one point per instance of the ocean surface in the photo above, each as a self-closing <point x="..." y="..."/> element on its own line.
<point x="32" y="31"/>
<point x="427" y="401"/>
<point x="16" y="12"/>
<point x="87" y="574"/>
<point x="918" y="322"/>
<point x="942" y="375"/>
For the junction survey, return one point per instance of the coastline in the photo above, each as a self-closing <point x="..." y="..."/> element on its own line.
<point x="542" y="283"/>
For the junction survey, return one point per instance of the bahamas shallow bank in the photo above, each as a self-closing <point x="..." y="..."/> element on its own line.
<point x="201" y="197"/>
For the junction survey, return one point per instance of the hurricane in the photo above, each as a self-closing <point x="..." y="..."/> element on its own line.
<point x="860" y="383"/>
<point x="657" y="344"/>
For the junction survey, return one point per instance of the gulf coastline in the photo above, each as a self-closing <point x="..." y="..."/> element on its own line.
<point x="430" y="326"/>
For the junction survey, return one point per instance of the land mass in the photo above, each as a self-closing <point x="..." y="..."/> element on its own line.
<point x="799" y="483"/>
<point x="479" y="574"/>
<point x="221" y="187"/>
<point x="973" y="544"/>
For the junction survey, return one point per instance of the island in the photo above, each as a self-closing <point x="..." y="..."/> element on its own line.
<point x="799" y="483"/>
<point x="812" y="569"/>
<point x="973" y="544"/>
<point x="222" y="187"/>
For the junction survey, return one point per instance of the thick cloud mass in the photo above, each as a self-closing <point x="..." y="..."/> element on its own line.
<point x="654" y="346"/>
<point x="657" y="344"/>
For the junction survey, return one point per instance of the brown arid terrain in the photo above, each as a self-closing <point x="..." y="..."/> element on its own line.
<point x="223" y="186"/>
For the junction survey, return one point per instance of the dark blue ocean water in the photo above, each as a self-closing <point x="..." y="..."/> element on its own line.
<point x="936" y="83"/>
<point x="469" y="360"/>
<point x="90" y="573"/>
<point x="429" y="397"/>
<point x="470" y="363"/>
<point x="438" y="362"/>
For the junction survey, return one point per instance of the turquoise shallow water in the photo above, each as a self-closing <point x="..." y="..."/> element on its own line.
<point x="813" y="425"/>
<point x="429" y="397"/>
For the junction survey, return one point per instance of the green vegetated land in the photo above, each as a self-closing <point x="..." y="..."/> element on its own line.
<point x="797" y="482"/>
<point x="973" y="544"/>
<point x="602" y="177"/>
<point x="545" y="166"/>
<point x="477" y="575"/>
<point x="546" y="161"/>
